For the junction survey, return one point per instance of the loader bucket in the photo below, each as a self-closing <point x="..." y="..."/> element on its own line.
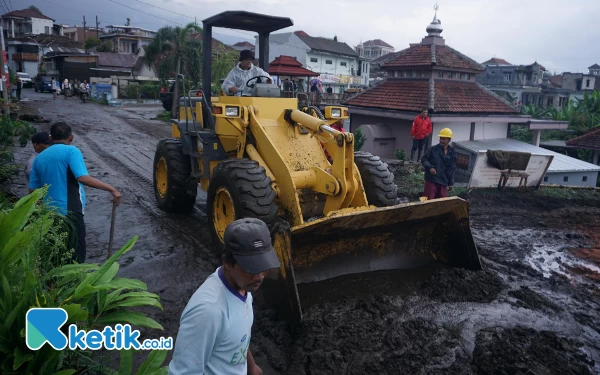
<point x="368" y="239"/>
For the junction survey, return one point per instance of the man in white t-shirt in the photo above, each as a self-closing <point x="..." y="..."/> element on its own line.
<point x="216" y="325"/>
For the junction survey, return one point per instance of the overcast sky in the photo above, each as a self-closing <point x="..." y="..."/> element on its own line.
<point x="560" y="35"/>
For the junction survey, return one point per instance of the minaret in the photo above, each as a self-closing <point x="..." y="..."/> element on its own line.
<point x="434" y="31"/>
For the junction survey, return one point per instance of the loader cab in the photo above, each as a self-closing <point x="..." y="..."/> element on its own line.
<point x="261" y="24"/>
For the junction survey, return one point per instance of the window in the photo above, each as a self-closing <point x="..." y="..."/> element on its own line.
<point x="329" y="62"/>
<point x="440" y="74"/>
<point x="466" y="76"/>
<point x="584" y="178"/>
<point x="545" y="178"/>
<point x="421" y="74"/>
<point x="462" y="161"/>
<point x="413" y="73"/>
<point x="507" y="77"/>
<point x="457" y="76"/>
<point x="404" y="74"/>
<point x="396" y="73"/>
<point x="587" y="83"/>
<point x="313" y="59"/>
<point x="343" y="63"/>
<point x="448" y="74"/>
<point x="566" y="178"/>
<point x="46" y="29"/>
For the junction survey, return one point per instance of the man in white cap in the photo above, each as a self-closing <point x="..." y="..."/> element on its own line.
<point x="215" y="327"/>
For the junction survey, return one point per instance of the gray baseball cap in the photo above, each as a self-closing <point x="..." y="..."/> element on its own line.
<point x="249" y="241"/>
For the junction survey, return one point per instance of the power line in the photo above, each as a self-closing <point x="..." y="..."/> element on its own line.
<point x="11" y="7"/>
<point x="6" y="7"/>
<point x="167" y="10"/>
<point x="141" y="11"/>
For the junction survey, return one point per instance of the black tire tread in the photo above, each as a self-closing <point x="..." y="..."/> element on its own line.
<point x="179" y="199"/>
<point x="378" y="181"/>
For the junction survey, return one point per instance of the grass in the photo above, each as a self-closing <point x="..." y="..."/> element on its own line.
<point x="164" y="116"/>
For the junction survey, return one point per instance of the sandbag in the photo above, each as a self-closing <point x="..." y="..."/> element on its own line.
<point x="513" y="160"/>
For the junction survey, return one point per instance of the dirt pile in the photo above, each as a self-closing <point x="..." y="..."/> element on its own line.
<point x="526" y="351"/>
<point x="366" y="337"/>
<point x="460" y="285"/>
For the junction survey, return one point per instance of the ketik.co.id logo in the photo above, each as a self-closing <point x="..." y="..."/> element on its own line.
<point x="44" y="324"/>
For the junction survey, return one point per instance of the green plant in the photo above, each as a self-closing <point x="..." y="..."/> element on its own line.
<point x="400" y="154"/>
<point x="359" y="140"/>
<point x="33" y="274"/>
<point x="91" y="43"/>
<point x="9" y="130"/>
<point x="164" y="116"/>
<point x="106" y="46"/>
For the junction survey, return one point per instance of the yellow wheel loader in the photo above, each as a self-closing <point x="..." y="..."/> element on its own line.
<point x="259" y="156"/>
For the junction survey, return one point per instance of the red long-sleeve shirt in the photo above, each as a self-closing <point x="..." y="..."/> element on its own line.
<point x="421" y="127"/>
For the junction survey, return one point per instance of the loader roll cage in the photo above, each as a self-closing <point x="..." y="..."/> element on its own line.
<point x="240" y="20"/>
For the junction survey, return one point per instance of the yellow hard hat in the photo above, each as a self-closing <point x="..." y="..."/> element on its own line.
<point x="445" y="133"/>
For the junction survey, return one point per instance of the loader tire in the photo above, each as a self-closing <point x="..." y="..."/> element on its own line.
<point x="239" y="188"/>
<point x="174" y="189"/>
<point x="378" y="181"/>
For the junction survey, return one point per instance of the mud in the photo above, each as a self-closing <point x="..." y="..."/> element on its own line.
<point x="529" y="311"/>
<point x="526" y="351"/>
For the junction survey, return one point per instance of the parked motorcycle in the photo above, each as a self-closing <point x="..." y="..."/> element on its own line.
<point x="85" y="95"/>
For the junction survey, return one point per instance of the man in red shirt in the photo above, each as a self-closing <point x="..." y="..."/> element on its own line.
<point x="421" y="129"/>
<point x="338" y="125"/>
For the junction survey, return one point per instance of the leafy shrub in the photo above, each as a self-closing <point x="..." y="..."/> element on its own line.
<point x="359" y="140"/>
<point x="33" y="273"/>
<point x="400" y="154"/>
<point x="9" y="130"/>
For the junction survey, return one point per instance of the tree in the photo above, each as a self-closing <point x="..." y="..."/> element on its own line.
<point x="171" y="48"/>
<point x="106" y="46"/>
<point x="33" y="7"/>
<point x="91" y="43"/>
<point x="128" y="22"/>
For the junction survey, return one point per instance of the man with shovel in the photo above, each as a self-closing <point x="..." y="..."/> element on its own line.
<point x="61" y="166"/>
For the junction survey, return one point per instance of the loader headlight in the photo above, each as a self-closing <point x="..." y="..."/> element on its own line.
<point x="232" y="111"/>
<point x="336" y="112"/>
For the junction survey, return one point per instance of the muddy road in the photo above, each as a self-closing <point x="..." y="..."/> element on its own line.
<point x="534" y="309"/>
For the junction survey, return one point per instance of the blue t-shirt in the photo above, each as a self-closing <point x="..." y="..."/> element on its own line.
<point x="214" y="331"/>
<point x="59" y="166"/>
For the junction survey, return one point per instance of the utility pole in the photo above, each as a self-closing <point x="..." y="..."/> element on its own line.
<point x="97" y="30"/>
<point x="83" y="29"/>
<point x="4" y="81"/>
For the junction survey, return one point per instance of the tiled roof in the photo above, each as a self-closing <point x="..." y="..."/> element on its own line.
<point x="595" y="66"/>
<point x="496" y="61"/>
<point x="589" y="140"/>
<point x="557" y="81"/>
<point x="244" y="44"/>
<point x="289" y="66"/>
<point x="116" y="60"/>
<point x="327" y="45"/>
<point x="468" y="97"/>
<point x="401" y="95"/>
<point x="50" y="40"/>
<point x="376" y="42"/>
<point x="27" y="13"/>
<point x="427" y="55"/>
<point x="447" y="97"/>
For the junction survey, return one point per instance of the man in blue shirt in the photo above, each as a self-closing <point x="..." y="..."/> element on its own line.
<point x="216" y="325"/>
<point x="440" y="163"/>
<point x="61" y="166"/>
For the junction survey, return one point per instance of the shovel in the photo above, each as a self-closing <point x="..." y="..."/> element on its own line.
<point x="112" y="229"/>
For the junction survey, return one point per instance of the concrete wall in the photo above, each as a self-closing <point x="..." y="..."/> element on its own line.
<point x="38" y="26"/>
<point x="398" y="134"/>
<point x="574" y="178"/>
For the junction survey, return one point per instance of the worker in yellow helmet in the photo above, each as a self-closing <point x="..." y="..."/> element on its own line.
<point x="440" y="163"/>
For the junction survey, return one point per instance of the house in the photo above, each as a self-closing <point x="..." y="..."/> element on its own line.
<point x="594" y="70"/>
<point x="127" y="39"/>
<point x="372" y="49"/>
<point x="431" y="75"/>
<point x="240" y="46"/>
<point x="525" y="84"/>
<point x="336" y="62"/>
<point x="70" y="63"/>
<point x="80" y="33"/>
<point x="27" y="22"/>
<point x="588" y="141"/>
<point x="25" y="53"/>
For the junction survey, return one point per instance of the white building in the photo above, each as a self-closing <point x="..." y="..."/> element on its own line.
<point x="372" y="49"/>
<point x="337" y="63"/>
<point x="24" y="22"/>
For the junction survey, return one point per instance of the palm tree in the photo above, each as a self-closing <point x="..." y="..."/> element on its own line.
<point x="172" y="47"/>
<point x="533" y="111"/>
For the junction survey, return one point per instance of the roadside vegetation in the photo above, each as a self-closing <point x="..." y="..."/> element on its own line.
<point x="34" y="273"/>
